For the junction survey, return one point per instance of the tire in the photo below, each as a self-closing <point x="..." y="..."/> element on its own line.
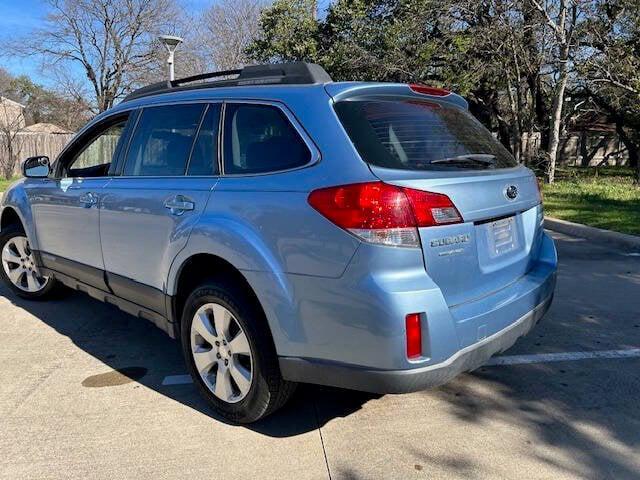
<point x="243" y="401"/>
<point x="27" y="286"/>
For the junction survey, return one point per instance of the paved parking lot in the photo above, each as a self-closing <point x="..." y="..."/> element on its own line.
<point x="66" y="412"/>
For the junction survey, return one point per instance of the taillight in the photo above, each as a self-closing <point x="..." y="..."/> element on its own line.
<point x="432" y="209"/>
<point x="385" y="214"/>
<point x="427" y="90"/>
<point x="414" y="335"/>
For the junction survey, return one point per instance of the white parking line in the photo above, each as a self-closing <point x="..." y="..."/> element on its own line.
<point x="502" y="360"/>
<point x="563" y="357"/>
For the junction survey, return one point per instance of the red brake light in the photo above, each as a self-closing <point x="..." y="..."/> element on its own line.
<point x="364" y="205"/>
<point x="382" y="213"/>
<point x="432" y="209"/>
<point x="427" y="90"/>
<point x="414" y="336"/>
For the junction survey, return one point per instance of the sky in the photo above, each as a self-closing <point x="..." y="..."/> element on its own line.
<point x="19" y="17"/>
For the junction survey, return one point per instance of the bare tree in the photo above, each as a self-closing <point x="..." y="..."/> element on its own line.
<point x="226" y="31"/>
<point x="12" y="121"/>
<point x="110" y="40"/>
<point x="508" y="45"/>
<point x="610" y="69"/>
<point x="562" y="17"/>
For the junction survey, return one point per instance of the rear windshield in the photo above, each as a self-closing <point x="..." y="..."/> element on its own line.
<point x="420" y="135"/>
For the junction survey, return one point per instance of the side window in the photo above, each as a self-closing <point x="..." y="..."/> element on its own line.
<point x="162" y="141"/>
<point x="95" y="158"/>
<point x="204" y="156"/>
<point x="260" y="138"/>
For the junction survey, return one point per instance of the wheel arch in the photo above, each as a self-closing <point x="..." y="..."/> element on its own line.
<point x="201" y="266"/>
<point x="10" y="216"/>
<point x="236" y="246"/>
<point x="197" y="268"/>
<point x="16" y="207"/>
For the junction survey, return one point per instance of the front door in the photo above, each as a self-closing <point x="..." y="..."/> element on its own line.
<point x="65" y="208"/>
<point x="148" y="211"/>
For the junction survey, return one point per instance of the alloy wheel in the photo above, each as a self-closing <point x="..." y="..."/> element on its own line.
<point x="19" y="265"/>
<point x="221" y="352"/>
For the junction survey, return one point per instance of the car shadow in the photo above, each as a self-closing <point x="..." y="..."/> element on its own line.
<point x="133" y="349"/>
<point x="580" y="418"/>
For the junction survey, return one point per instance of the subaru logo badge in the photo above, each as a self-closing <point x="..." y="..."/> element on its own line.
<point x="511" y="192"/>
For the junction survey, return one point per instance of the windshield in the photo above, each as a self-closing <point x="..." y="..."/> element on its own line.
<point x="420" y="135"/>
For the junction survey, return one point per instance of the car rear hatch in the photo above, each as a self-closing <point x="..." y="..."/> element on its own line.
<point x="493" y="246"/>
<point x="431" y="145"/>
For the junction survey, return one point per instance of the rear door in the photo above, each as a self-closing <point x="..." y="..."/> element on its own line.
<point x="148" y="211"/>
<point x="438" y="147"/>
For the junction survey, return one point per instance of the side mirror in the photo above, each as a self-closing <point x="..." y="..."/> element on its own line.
<point x="36" y="167"/>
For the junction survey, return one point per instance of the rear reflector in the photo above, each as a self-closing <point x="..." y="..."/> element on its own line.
<point x="384" y="214"/>
<point x="427" y="90"/>
<point x="414" y="336"/>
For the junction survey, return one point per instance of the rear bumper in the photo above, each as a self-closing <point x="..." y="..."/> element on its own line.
<point x="411" y="380"/>
<point x="352" y="330"/>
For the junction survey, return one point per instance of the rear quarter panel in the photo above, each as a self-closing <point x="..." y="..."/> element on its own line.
<point x="270" y="236"/>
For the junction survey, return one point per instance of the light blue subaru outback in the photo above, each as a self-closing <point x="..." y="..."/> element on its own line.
<point x="287" y="228"/>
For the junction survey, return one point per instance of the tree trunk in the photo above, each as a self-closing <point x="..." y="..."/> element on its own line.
<point x="584" y="153"/>
<point x="541" y="112"/>
<point x="516" y="135"/>
<point x="7" y="165"/>
<point x="632" y="148"/>
<point x="556" y="118"/>
<point x="531" y="146"/>
<point x="10" y="165"/>
<point x="504" y="134"/>
<point x="6" y="148"/>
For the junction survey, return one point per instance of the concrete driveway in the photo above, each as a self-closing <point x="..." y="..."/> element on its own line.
<point x="66" y="412"/>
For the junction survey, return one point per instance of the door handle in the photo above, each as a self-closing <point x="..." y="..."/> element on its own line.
<point x="88" y="199"/>
<point x="179" y="204"/>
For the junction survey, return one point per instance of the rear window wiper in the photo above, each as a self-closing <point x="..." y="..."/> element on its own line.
<point x="477" y="158"/>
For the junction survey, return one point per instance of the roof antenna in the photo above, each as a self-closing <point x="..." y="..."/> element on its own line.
<point x="171" y="43"/>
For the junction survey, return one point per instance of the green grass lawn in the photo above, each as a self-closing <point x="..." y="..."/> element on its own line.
<point x="604" y="198"/>
<point x="4" y="183"/>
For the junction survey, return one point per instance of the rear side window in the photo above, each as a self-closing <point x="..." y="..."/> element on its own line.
<point x="204" y="157"/>
<point x="260" y="138"/>
<point x="162" y="141"/>
<point x="420" y="135"/>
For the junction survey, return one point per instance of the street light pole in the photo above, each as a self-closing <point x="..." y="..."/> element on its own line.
<point x="171" y="43"/>
<point x="172" y="73"/>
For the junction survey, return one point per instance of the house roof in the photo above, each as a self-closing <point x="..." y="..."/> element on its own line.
<point x="46" y="128"/>
<point x="8" y="100"/>
<point x="592" y="122"/>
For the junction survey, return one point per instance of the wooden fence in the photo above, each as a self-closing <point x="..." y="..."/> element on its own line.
<point x="29" y="144"/>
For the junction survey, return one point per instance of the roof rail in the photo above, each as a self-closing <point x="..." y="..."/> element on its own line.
<point x="294" y="73"/>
